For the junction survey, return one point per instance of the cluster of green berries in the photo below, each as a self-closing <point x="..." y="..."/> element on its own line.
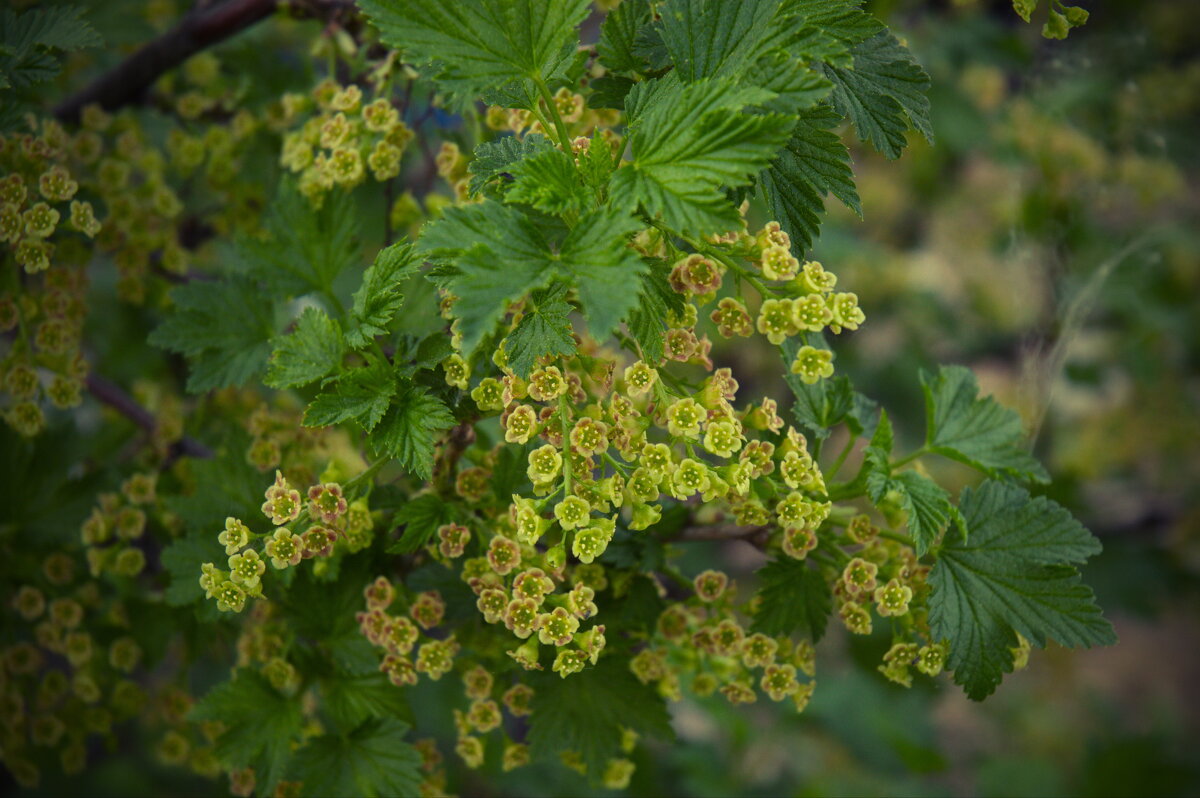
<point x="337" y="137"/>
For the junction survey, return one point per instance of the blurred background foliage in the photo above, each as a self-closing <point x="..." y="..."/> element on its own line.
<point x="1049" y="240"/>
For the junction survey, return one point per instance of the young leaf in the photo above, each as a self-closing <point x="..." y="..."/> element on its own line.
<point x="1014" y="575"/>
<point x="352" y="697"/>
<point x="378" y="299"/>
<point x="182" y="559"/>
<point x="586" y="712"/>
<point x="822" y="405"/>
<point x="549" y="182"/>
<point x="362" y="394"/>
<point x="883" y="93"/>
<point x="27" y="39"/>
<point x="841" y="20"/>
<point x="544" y="329"/>
<point x="690" y="142"/>
<point x="306" y="354"/>
<point x="223" y="328"/>
<point x="420" y="519"/>
<point x="481" y="45"/>
<point x="648" y="322"/>
<point x="501" y="257"/>
<point x="259" y="725"/>
<point x="495" y="158"/>
<point x="597" y="256"/>
<point x="812" y="164"/>
<point x="979" y="432"/>
<point x="373" y="761"/>
<point x="927" y="503"/>
<point x="304" y="249"/>
<point x="410" y="429"/>
<point x="794" y="598"/>
<point x="619" y="35"/>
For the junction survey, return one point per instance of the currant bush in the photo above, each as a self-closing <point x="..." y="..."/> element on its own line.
<point x="473" y="469"/>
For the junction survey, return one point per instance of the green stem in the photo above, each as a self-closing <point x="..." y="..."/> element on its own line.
<point x="366" y="474"/>
<point x="906" y="460"/>
<point x="896" y="536"/>
<point x="334" y="303"/>
<point x="562" y="414"/>
<point x="841" y="458"/>
<point x="608" y="458"/>
<point x="563" y="139"/>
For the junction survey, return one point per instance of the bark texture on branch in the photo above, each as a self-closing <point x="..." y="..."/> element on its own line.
<point x="205" y="25"/>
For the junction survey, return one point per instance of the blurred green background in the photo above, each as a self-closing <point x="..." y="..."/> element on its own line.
<point x="1049" y="240"/>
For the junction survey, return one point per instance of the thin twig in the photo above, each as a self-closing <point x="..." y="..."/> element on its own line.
<point x="115" y="397"/>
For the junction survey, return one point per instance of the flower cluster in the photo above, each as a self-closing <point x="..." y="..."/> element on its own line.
<point x="116" y="524"/>
<point x="67" y="672"/>
<point x="303" y="527"/>
<point x="337" y="136"/>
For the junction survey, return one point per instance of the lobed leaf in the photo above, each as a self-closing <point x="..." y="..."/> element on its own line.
<point x="1014" y="575"/>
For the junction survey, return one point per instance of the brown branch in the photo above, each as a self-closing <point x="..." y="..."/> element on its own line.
<point x="206" y="25"/>
<point x="115" y="397"/>
<point x="754" y="535"/>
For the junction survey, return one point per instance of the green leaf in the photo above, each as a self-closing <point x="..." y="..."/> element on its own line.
<point x="549" y="182"/>
<point x="306" y="354"/>
<point x="223" y="328"/>
<point x="351" y="698"/>
<point x="793" y="597"/>
<point x="373" y="761"/>
<point x="495" y="158"/>
<point x="842" y="20"/>
<point x="927" y="504"/>
<point x="597" y="257"/>
<point x="501" y="256"/>
<point x="1014" y="575"/>
<point x="28" y="39"/>
<point x="362" y="394"/>
<point x="812" y="164"/>
<point x="597" y="163"/>
<point x="182" y="560"/>
<point x="378" y="299"/>
<point x="410" y="429"/>
<point x="979" y="432"/>
<point x="479" y="45"/>
<point x="619" y="35"/>
<point x="586" y="712"/>
<point x="260" y="725"/>
<point x="420" y="519"/>
<point x="302" y="249"/>
<point x="795" y="84"/>
<point x="648" y="323"/>
<point x="689" y="143"/>
<point x="713" y="38"/>
<point x="822" y="405"/>
<point x="883" y="93"/>
<point x="544" y="329"/>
